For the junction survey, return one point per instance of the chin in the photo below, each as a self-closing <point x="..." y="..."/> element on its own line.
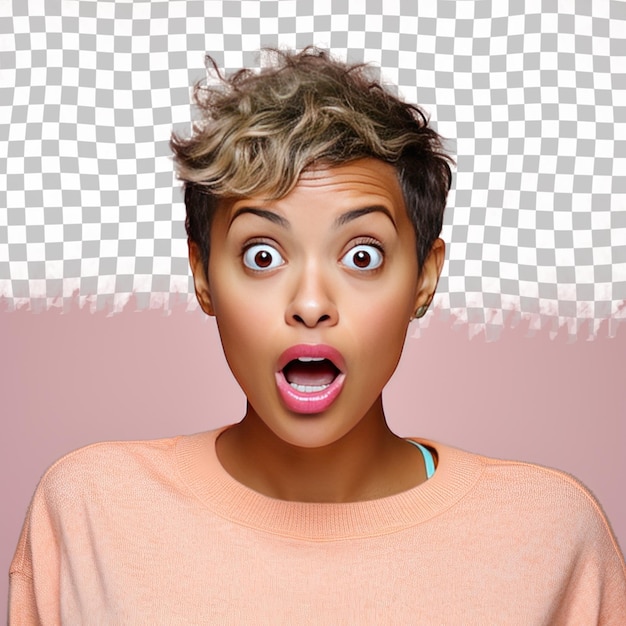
<point x="311" y="431"/>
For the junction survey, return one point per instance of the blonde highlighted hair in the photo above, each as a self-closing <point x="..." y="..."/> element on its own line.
<point x="258" y="131"/>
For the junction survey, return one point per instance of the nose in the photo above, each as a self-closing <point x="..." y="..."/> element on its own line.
<point x="312" y="303"/>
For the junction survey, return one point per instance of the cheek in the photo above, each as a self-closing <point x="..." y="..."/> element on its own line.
<point x="244" y="322"/>
<point x="380" y="332"/>
<point x="386" y="306"/>
<point x="242" y="346"/>
<point x="386" y="331"/>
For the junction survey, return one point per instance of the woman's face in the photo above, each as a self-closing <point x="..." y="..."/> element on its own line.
<point x="313" y="294"/>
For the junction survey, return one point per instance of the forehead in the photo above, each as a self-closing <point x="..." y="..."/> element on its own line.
<point x="364" y="175"/>
<point x="366" y="181"/>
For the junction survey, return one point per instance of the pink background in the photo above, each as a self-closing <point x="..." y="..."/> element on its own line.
<point x="71" y="379"/>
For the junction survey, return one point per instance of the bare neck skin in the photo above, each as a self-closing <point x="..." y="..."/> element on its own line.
<point x="367" y="463"/>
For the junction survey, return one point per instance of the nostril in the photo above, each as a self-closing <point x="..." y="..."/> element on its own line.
<point x="301" y="320"/>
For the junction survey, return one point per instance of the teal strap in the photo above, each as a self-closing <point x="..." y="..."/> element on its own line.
<point x="429" y="461"/>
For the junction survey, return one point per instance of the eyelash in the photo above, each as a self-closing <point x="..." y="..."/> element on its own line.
<point x="256" y="242"/>
<point x="368" y="241"/>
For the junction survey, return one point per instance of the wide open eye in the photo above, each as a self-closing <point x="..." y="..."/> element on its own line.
<point x="262" y="256"/>
<point x="363" y="257"/>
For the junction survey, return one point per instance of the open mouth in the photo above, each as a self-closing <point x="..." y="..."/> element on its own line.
<point x="310" y="377"/>
<point x="309" y="374"/>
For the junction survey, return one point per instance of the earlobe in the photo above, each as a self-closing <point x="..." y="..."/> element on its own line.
<point x="200" y="280"/>
<point x="429" y="277"/>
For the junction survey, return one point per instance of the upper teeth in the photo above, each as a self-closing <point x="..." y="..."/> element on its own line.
<point x="308" y="359"/>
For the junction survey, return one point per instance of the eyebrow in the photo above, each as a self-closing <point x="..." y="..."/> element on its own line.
<point x="268" y="215"/>
<point x="343" y="219"/>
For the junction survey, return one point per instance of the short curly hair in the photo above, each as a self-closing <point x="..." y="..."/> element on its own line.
<point x="258" y="131"/>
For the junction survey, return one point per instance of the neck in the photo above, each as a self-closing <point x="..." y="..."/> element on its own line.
<point x="368" y="462"/>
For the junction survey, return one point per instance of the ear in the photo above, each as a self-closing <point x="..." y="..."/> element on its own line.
<point x="200" y="280"/>
<point x="429" y="274"/>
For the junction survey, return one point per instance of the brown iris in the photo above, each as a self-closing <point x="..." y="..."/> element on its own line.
<point x="362" y="258"/>
<point x="263" y="258"/>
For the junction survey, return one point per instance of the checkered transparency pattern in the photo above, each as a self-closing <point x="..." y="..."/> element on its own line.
<point x="533" y="93"/>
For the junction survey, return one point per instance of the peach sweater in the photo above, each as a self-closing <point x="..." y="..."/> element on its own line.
<point x="158" y="533"/>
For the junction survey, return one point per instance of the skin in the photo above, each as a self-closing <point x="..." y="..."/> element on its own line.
<point x="312" y="293"/>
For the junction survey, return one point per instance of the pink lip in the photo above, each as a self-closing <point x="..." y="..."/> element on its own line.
<point x="317" y="401"/>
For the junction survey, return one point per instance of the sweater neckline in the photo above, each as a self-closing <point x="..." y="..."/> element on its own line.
<point x="200" y="469"/>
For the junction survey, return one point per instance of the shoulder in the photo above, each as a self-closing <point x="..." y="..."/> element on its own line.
<point x="538" y="528"/>
<point x="101" y="469"/>
<point x="109" y="454"/>
<point x="528" y="498"/>
<point x="540" y="487"/>
<point x="90" y="485"/>
<point x="518" y="480"/>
